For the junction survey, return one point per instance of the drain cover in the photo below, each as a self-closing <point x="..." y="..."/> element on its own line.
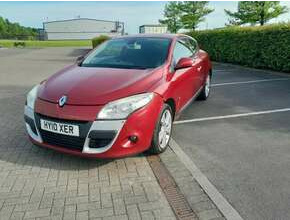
<point x="175" y="198"/>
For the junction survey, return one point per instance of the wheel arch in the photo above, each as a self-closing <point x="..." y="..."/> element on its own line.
<point x="171" y="103"/>
<point x="210" y="72"/>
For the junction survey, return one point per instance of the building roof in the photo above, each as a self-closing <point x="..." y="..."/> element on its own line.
<point x="153" y="25"/>
<point x="91" y="19"/>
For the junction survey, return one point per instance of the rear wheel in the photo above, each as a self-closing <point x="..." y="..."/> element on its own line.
<point x="204" y="94"/>
<point x="162" y="132"/>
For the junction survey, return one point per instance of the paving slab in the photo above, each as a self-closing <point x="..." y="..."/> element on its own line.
<point x="38" y="183"/>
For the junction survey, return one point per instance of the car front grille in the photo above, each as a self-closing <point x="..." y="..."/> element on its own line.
<point x="75" y="143"/>
<point x="65" y="141"/>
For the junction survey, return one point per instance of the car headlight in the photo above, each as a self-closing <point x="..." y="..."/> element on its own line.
<point x="31" y="97"/>
<point x="122" y="108"/>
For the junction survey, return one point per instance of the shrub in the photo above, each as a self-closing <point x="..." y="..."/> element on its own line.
<point x="98" y="40"/>
<point x="259" y="47"/>
<point x="19" y="44"/>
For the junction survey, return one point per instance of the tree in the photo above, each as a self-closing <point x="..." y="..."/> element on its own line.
<point x="172" y="15"/>
<point x="253" y="12"/>
<point x="193" y="12"/>
<point x="9" y="30"/>
<point x="3" y="28"/>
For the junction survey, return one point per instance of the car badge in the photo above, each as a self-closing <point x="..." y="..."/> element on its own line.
<point x="62" y="101"/>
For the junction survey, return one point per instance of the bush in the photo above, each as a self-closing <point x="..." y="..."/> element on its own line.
<point x="259" y="47"/>
<point x="19" y="44"/>
<point x="98" y="40"/>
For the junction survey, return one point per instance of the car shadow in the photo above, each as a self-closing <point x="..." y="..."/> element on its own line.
<point x="23" y="153"/>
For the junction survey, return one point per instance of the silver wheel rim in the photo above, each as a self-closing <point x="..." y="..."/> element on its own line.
<point x="207" y="86"/>
<point x="165" y="129"/>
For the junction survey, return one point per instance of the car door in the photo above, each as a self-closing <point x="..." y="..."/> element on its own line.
<point x="198" y="62"/>
<point x="184" y="80"/>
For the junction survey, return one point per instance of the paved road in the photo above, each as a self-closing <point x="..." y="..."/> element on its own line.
<point x="246" y="158"/>
<point x="37" y="183"/>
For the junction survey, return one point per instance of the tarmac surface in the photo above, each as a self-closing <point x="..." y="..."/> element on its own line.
<point x="245" y="156"/>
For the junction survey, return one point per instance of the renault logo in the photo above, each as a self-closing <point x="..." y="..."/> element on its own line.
<point x="62" y="101"/>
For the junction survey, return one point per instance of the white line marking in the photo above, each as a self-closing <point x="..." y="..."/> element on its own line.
<point x="232" y="116"/>
<point x="222" y="204"/>
<point x="251" y="81"/>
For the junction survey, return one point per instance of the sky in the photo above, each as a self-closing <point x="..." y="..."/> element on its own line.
<point x="133" y="14"/>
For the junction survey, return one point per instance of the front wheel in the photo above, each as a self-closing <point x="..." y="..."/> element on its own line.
<point x="162" y="132"/>
<point x="204" y="94"/>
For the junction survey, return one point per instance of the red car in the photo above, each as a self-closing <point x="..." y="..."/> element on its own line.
<point x="121" y="98"/>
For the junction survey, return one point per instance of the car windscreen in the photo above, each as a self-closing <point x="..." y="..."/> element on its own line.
<point x="130" y="53"/>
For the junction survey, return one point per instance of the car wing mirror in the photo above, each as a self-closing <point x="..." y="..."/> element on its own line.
<point x="184" y="63"/>
<point x="80" y="59"/>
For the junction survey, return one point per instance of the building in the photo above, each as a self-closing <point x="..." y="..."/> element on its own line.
<point x="153" y="29"/>
<point x="81" y="29"/>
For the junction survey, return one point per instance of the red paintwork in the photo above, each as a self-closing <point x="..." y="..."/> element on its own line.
<point x="141" y="123"/>
<point x="185" y="62"/>
<point x="97" y="86"/>
<point x="89" y="89"/>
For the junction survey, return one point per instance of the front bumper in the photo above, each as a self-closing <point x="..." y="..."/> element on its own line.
<point x="98" y="138"/>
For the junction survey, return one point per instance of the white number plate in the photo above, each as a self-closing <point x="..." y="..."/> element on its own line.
<point x="55" y="127"/>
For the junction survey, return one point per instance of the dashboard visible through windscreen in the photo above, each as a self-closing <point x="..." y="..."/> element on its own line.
<point x="130" y="53"/>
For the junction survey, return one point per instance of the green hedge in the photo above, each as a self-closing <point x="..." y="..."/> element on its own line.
<point x="100" y="39"/>
<point x="260" y="47"/>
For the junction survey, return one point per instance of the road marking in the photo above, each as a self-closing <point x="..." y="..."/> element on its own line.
<point x="232" y="116"/>
<point x="222" y="204"/>
<point x="251" y="81"/>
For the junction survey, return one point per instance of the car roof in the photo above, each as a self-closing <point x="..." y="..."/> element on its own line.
<point x="169" y="36"/>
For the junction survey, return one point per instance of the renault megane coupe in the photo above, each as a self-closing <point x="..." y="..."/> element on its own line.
<point x="121" y="98"/>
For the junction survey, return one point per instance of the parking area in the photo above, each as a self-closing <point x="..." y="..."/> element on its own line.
<point x="37" y="183"/>
<point x="239" y="139"/>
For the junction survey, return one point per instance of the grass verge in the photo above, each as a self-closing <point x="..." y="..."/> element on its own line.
<point x="38" y="44"/>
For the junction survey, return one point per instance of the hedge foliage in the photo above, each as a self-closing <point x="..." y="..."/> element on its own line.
<point x="260" y="47"/>
<point x="100" y="39"/>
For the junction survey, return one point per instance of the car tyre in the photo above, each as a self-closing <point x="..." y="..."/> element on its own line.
<point x="162" y="131"/>
<point x="204" y="94"/>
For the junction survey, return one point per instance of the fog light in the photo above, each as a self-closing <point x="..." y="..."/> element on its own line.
<point x="133" y="138"/>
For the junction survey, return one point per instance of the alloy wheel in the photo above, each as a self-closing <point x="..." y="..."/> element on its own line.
<point x="165" y="129"/>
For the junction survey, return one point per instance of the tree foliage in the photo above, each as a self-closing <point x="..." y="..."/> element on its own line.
<point x="9" y="30"/>
<point x="172" y="14"/>
<point x="253" y="12"/>
<point x="193" y="12"/>
<point x="186" y="14"/>
<point x="100" y="39"/>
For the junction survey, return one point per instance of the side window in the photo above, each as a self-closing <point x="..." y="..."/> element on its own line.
<point x="190" y="43"/>
<point x="180" y="51"/>
<point x="193" y="45"/>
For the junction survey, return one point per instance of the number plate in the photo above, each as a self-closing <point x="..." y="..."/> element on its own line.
<point x="60" y="128"/>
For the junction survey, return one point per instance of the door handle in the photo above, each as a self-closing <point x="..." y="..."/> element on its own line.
<point x="199" y="68"/>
